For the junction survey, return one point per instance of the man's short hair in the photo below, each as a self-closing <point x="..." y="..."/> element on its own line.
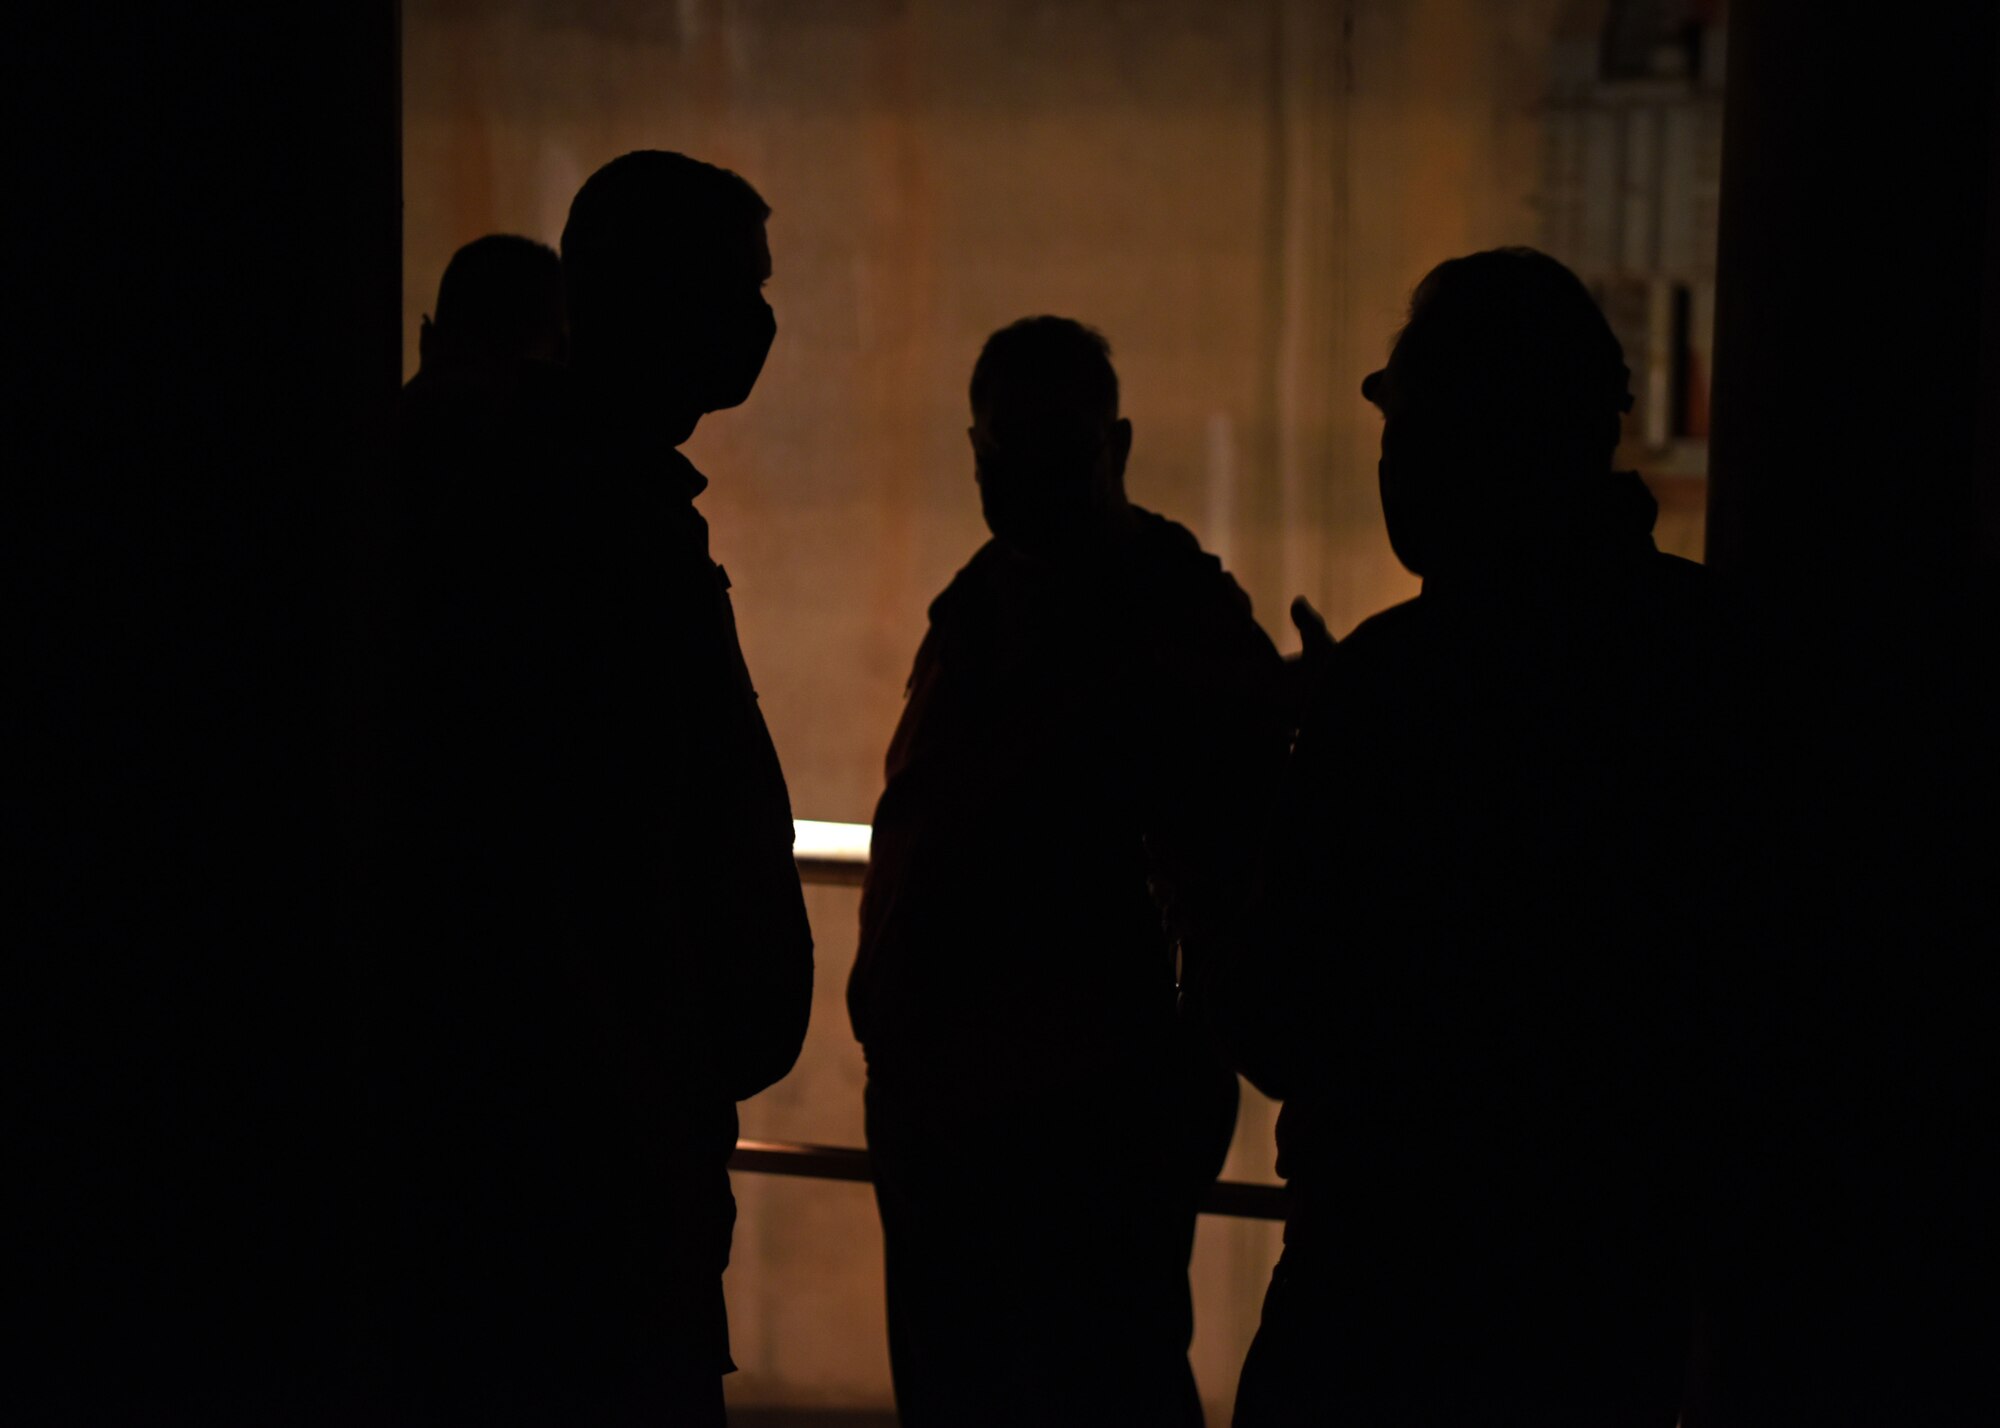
<point x="499" y="294"/>
<point x="652" y="221"/>
<point x="1055" y="357"/>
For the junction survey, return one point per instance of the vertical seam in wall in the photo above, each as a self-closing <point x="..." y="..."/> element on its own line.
<point x="1340" y="450"/>
<point x="1271" y="444"/>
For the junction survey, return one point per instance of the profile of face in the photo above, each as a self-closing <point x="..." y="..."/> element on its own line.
<point x="1050" y="473"/>
<point x="1428" y="467"/>
<point x="1500" y="407"/>
<point x="733" y="326"/>
<point x="696" y="333"/>
<point x="1471" y="470"/>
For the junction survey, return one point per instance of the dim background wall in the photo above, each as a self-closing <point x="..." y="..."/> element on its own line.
<point x="1240" y="195"/>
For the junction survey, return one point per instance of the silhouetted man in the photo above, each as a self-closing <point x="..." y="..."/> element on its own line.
<point x="1093" y="703"/>
<point x="1468" y="975"/>
<point x="608" y="944"/>
<point x="500" y="301"/>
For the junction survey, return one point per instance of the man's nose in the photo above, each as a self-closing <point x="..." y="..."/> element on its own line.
<point x="1371" y="387"/>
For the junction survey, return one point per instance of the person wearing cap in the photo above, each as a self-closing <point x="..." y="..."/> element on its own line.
<point x="1468" y="973"/>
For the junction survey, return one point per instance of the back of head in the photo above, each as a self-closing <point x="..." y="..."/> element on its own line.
<point x="501" y="299"/>
<point x="657" y="242"/>
<point x="1047" y="438"/>
<point x="1051" y="367"/>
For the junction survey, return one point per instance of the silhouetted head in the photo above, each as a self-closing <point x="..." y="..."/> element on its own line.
<point x="666" y="260"/>
<point x="500" y="300"/>
<point x="1501" y="406"/>
<point x="1049" y="448"/>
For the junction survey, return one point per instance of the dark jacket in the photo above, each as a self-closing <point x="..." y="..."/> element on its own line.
<point x="1471" y="975"/>
<point x="1068" y="736"/>
<point x="607" y="942"/>
<point x="1497" y="863"/>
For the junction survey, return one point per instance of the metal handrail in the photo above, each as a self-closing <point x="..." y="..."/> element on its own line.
<point x="834" y="853"/>
<point x="837" y="854"/>
<point x="1242" y="1199"/>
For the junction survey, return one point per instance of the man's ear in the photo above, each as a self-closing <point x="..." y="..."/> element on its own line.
<point x="1121" y="447"/>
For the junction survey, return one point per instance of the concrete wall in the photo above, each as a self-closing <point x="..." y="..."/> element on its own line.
<point x="1240" y="193"/>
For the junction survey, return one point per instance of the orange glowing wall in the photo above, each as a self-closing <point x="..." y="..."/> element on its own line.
<point x="1239" y="193"/>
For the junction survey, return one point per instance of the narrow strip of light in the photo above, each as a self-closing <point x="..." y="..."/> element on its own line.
<point x="830" y="842"/>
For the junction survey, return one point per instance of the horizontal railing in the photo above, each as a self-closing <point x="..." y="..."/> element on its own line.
<point x="830" y="852"/>
<point x="1239" y="1198"/>
<point x="837" y="853"/>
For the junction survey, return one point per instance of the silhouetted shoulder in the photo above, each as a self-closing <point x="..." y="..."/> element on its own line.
<point x="1387" y="639"/>
<point x="1390" y="626"/>
<point x="484" y="445"/>
<point x="1171" y="551"/>
<point x="1169" y="537"/>
<point x="484" y="422"/>
<point x="992" y="562"/>
<point x="1687" y="584"/>
<point x="1683" y="574"/>
<point x="522" y="386"/>
<point x="972" y="593"/>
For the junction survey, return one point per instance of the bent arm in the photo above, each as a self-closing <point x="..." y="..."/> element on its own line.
<point x="759" y="999"/>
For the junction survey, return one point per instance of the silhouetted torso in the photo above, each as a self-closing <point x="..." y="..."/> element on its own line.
<point x="1048" y="729"/>
<point x="1471" y="982"/>
<point x="1040" y="1119"/>
<point x="607" y="942"/>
